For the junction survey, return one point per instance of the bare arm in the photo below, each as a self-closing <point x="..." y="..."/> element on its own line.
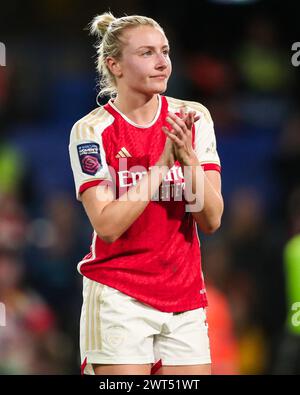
<point x="209" y="218"/>
<point x="204" y="186"/>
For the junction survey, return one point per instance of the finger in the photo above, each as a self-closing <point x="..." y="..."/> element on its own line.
<point x="176" y="120"/>
<point x="168" y="131"/>
<point x="183" y="113"/>
<point x="173" y="137"/>
<point x="165" y="129"/>
<point x="190" y="120"/>
<point x="195" y="117"/>
<point x="192" y="114"/>
<point x="176" y="127"/>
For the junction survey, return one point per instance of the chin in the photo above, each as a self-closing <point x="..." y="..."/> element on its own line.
<point x="158" y="90"/>
<point x="163" y="90"/>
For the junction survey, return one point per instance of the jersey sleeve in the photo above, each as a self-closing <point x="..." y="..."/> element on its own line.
<point x="88" y="158"/>
<point x="205" y="144"/>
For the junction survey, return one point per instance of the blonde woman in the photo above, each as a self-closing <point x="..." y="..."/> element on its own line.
<point x="147" y="171"/>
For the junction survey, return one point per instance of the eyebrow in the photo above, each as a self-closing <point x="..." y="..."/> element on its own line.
<point x="151" y="46"/>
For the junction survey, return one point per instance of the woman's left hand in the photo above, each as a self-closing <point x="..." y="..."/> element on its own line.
<point x="181" y="135"/>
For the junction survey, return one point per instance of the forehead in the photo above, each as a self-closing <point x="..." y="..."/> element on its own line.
<point x="144" y="36"/>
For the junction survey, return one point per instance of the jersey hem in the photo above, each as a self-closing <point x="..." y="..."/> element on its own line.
<point x="202" y="302"/>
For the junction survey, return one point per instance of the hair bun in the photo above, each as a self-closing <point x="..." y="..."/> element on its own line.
<point x="101" y="23"/>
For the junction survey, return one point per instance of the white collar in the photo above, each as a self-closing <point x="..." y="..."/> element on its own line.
<point x="148" y="125"/>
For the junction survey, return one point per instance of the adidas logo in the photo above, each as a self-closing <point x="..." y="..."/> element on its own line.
<point x="123" y="153"/>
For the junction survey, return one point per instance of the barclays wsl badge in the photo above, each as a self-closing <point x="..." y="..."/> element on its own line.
<point x="89" y="158"/>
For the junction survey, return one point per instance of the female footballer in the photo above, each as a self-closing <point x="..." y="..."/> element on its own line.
<point x="147" y="172"/>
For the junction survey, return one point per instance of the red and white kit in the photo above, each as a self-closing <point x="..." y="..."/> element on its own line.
<point x="157" y="260"/>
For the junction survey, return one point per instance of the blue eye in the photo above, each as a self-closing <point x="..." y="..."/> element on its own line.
<point x="166" y="52"/>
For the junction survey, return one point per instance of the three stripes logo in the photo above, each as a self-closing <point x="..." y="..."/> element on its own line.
<point x="123" y="153"/>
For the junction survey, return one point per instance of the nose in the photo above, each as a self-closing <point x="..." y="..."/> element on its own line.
<point x="162" y="62"/>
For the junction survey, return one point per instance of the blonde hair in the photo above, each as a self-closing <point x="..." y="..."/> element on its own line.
<point x="109" y="30"/>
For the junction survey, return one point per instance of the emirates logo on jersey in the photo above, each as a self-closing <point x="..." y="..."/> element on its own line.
<point x="174" y="175"/>
<point x="171" y="188"/>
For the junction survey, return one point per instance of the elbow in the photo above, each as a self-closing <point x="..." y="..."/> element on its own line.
<point x="209" y="222"/>
<point x="107" y="239"/>
<point x="107" y="236"/>
<point x="214" y="223"/>
<point x="107" y="230"/>
<point x="211" y="227"/>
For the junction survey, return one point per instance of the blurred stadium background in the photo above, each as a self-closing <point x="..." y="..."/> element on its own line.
<point x="232" y="56"/>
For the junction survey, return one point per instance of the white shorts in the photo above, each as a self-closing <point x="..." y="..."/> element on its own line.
<point x="118" y="329"/>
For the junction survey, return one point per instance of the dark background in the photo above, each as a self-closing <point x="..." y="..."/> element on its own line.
<point x="233" y="58"/>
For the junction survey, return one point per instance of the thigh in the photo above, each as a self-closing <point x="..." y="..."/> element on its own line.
<point x="113" y="332"/>
<point x="184" y="341"/>
<point x="132" y="369"/>
<point x="203" y="369"/>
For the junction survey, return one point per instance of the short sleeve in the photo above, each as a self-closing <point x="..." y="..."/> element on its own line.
<point x="205" y="144"/>
<point x="88" y="158"/>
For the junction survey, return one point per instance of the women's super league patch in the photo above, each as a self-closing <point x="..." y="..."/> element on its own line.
<point x="89" y="158"/>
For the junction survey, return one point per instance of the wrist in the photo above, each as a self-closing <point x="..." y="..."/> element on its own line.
<point x="162" y="161"/>
<point x="190" y="160"/>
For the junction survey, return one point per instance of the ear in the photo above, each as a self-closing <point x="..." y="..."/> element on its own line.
<point x="114" y="66"/>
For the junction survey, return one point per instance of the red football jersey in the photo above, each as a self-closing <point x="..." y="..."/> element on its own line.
<point x="157" y="260"/>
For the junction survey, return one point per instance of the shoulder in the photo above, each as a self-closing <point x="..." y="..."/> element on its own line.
<point x="175" y="104"/>
<point x="96" y="120"/>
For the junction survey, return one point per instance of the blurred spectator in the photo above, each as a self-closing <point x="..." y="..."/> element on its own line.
<point x="287" y="160"/>
<point x="261" y="59"/>
<point x="223" y="341"/>
<point x="257" y="281"/>
<point x="13" y="222"/>
<point x="211" y="75"/>
<point x="265" y="74"/>
<point x="214" y="80"/>
<point x="30" y="342"/>
<point x="56" y="244"/>
<point x="11" y="168"/>
<point x="3" y="91"/>
<point x="222" y="333"/>
<point x="288" y="356"/>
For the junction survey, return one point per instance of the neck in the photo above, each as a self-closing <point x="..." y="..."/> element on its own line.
<point x="140" y="109"/>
